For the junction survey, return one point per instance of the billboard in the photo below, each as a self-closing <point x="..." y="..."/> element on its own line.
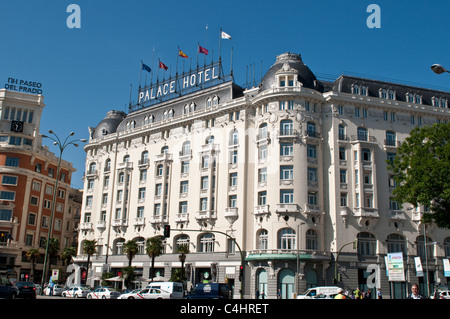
<point x="395" y="267"/>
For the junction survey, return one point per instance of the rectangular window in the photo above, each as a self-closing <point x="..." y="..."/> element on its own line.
<point x="232" y="201"/>
<point x="262" y="198"/>
<point x="233" y="179"/>
<point x="286" y="196"/>
<point x="312" y="198"/>
<point x="312" y="174"/>
<point x="286" y="149"/>
<point x="12" y="161"/>
<point x="183" y="208"/>
<point x="203" y="204"/>
<point x="184" y="187"/>
<point x="287" y="172"/>
<point x="262" y="175"/>
<point x="9" y="180"/>
<point x="344" y="199"/>
<point x="204" y="182"/>
<point x="343" y="176"/>
<point x="311" y="151"/>
<point x="141" y="194"/>
<point x="6" y="195"/>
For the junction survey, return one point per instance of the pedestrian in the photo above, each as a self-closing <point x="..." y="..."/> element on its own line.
<point x="358" y="294"/>
<point x="415" y="292"/>
<point x="340" y="294"/>
<point x="279" y="294"/>
<point x="263" y="296"/>
<point x="379" y="295"/>
<point x="257" y="293"/>
<point x="368" y="294"/>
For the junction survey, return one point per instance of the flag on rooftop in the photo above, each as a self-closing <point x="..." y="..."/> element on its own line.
<point x="202" y="50"/>
<point x="225" y="35"/>
<point x="163" y="66"/>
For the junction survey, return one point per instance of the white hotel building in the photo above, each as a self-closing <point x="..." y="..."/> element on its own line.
<point x="293" y="170"/>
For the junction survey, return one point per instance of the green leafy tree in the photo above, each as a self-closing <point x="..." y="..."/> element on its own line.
<point x="183" y="250"/>
<point x="421" y="170"/>
<point x="154" y="248"/>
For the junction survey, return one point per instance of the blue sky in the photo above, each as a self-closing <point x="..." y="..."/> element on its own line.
<point x="88" y="71"/>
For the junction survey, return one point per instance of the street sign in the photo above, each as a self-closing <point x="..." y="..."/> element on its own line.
<point x="394" y="265"/>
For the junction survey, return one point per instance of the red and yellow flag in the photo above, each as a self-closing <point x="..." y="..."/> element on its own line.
<point x="182" y="54"/>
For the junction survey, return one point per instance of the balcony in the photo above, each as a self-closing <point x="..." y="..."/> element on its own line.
<point x="231" y="214"/>
<point x="182" y="218"/>
<point x="287" y="208"/>
<point x="119" y="223"/>
<point x="263" y="138"/>
<point x="86" y="226"/>
<point x="288" y="133"/>
<point x="261" y="210"/>
<point x="313" y="209"/>
<point x="139" y="222"/>
<point x="159" y="219"/>
<point x="163" y="157"/>
<point x="398" y="215"/>
<point x="125" y="165"/>
<point x="205" y="215"/>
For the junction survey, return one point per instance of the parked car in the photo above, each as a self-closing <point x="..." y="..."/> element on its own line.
<point x="27" y="289"/>
<point x="104" y="293"/>
<point x="175" y="289"/>
<point x="76" y="292"/>
<point x="441" y="294"/>
<point x="210" y="291"/>
<point x="311" y="293"/>
<point x="126" y="295"/>
<point x="57" y="290"/>
<point x="7" y="288"/>
<point x="148" y="293"/>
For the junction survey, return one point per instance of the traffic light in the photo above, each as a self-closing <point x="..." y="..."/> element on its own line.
<point x="241" y="272"/>
<point x="167" y="231"/>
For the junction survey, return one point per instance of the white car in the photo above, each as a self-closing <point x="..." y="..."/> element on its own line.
<point x="149" y="293"/>
<point x="128" y="294"/>
<point x="57" y="290"/>
<point x="76" y="292"/>
<point x="103" y="293"/>
<point x="444" y="294"/>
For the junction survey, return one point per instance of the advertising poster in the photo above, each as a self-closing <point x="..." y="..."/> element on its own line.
<point x="395" y="267"/>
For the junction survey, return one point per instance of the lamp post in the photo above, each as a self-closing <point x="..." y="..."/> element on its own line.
<point x="61" y="145"/>
<point x="438" y="69"/>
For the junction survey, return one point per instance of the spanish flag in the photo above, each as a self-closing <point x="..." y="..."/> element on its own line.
<point x="182" y="54"/>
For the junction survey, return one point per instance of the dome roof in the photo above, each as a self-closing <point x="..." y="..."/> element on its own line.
<point x="304" y="74"/>
<point x="109" y="124"/>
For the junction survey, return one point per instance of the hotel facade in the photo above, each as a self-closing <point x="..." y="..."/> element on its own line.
<point x="288" y="173"/>
<point x="28" y="172"/>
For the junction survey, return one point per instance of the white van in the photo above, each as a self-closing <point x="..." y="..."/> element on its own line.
<point x="316" y="291"/>
<point x="174" y="288"/>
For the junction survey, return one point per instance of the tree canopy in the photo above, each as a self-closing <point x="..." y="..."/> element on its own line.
<point x="421" y="170"/>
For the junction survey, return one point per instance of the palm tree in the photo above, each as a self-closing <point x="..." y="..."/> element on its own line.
<point x="183" y="250"/>
<point x="68" y="253"/>
<point x="90" y="248"/>
<point x="130" y="248"/>
<point x="53" y="249"/>
<point x="154" y="248"/>
<point x="32" y="256"/>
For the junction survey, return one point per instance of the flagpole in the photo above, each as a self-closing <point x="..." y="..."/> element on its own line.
<point x="140" y="73"/>
<point x="231" y="67"/>
<point x="178" y="54"/>
<point x="220" y="40"/>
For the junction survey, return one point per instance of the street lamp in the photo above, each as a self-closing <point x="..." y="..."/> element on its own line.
<point x="438" y="69"/>
<point x="62" y="145"/>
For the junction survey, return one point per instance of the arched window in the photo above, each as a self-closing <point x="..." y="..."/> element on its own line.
<point x="144" y="157"/>
<point x="118" y="246"/>
<point x="362" y="134"/>
<point x="263" y="239"/>
<point x="206" y="244"/>
<point x="186" y="148"/>
<point x="262" y="131"/>
<point x="311" y="129"/>
<point x="286" y="282"/>
<point x="390" y="138"/>
<point x="286" y="127"/>
<point x="286" y="239"/>
<point x="182" y="240"/>
<point x="164" y="149"/>
<point x="262" y="281"/>
<point x="92" y="168"/>
<point x="396" y="243"/>
<point x="367" y="244"/>
<point x="234" y="137"/>
<point x="341" y="132"/>
<point x="425" y="247"/>
<point x="108" y="165"/>
<point x="312" y="240"/>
